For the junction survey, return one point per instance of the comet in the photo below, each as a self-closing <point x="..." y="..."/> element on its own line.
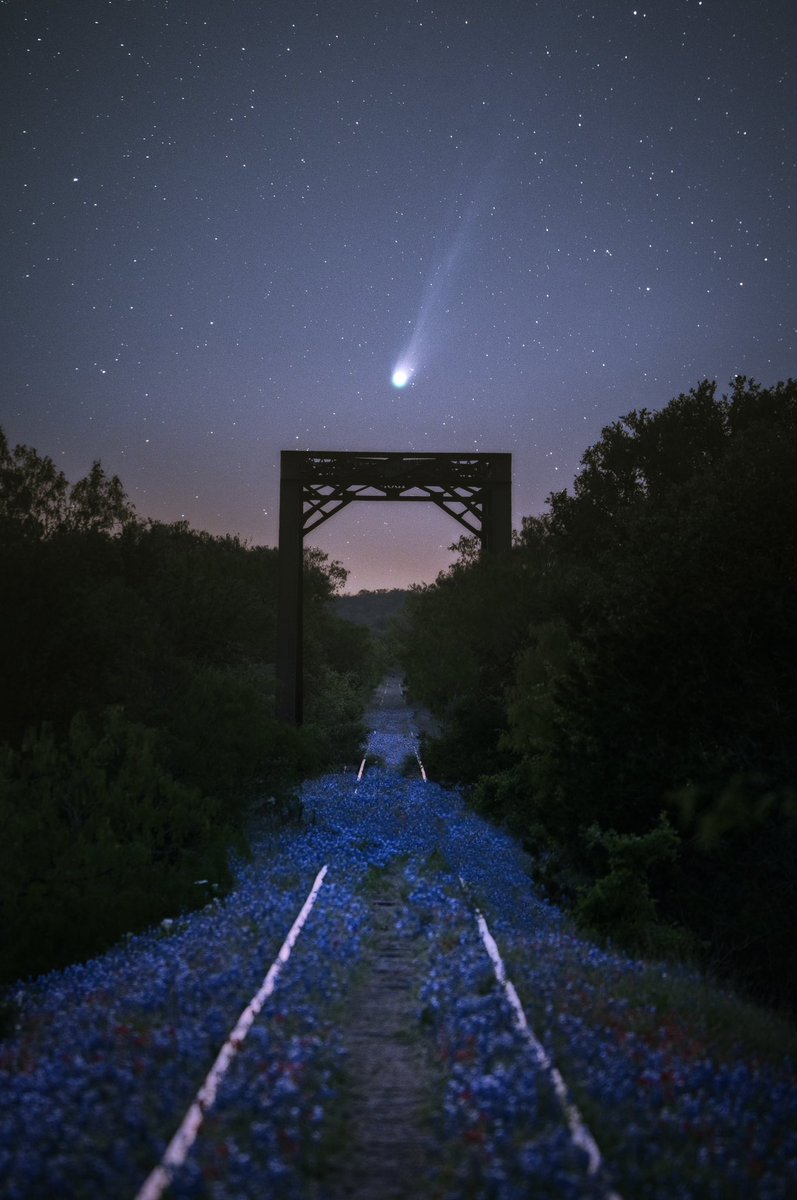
<point x="417" y="347"/>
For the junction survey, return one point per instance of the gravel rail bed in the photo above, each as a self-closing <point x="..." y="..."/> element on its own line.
<point x="388" y="1080"/>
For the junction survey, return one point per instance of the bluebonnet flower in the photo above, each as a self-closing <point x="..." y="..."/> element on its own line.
<point x="109" y="1054"/>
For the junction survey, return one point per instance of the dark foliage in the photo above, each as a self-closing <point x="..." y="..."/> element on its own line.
<point x="377" y="610"/>
<point x="136" y="708"/>
<point x="637" y="654"/>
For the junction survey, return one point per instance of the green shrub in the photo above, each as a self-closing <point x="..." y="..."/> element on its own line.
<point x="619" y="904"/>
<point x="222" y="737"/>
<point x="161" y="639"/>
<point x="738" y="884"/>
<point x="639" y="643"/>
<point x="333" y="716"/>
<point x="99" y="839"/>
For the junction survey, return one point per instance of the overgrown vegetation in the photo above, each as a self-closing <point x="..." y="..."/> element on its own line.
<point x="378" y="610"/>
<point x="136" y="708"/>
<point x="622" y="688"/>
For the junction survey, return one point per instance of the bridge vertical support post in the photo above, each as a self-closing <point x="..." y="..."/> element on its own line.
<point x="497" y="518"/>
<point x="290" y="692"/>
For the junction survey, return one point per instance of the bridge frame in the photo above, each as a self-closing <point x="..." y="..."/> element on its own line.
<point x="474" y="489"/>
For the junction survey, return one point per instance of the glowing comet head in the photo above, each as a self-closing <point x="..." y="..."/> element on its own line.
<point x="401" y="376"/>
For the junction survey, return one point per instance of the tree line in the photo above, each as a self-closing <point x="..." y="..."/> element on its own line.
<point x="137" y="728"/>
<point x="621" y="689"/>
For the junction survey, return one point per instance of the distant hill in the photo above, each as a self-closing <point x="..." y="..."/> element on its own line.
<point x="374" y="609"/>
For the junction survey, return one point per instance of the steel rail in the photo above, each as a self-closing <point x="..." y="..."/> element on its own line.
<point x="579" y="1131"/>
<point x="177" y="1150"/>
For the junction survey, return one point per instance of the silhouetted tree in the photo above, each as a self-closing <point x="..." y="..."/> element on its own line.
<point x="649" y="664"/>
<point x="137" y="707"/>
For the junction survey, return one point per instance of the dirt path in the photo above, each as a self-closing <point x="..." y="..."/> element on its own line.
<point x="390" y="1082"/>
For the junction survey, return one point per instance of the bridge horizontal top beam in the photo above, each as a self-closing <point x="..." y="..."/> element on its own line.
<point x="353" y="466"/>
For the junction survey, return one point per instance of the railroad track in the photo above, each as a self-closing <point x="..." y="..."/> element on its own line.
<point x="103" y="1060"/>
<point x="393" y="1151"/>
<point x="188" y="1130"/>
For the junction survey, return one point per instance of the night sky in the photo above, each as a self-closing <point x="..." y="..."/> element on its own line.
<point x="225" y="225"/>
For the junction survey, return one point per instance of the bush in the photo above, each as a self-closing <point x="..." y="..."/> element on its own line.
<point x="136" y="707"/>
<point x="646" y="651"/>
<point x="99" y="838"/>
<point x="619" y="904"/>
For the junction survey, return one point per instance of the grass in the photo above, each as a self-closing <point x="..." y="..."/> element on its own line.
<point x="726" y="1022"/>
<point x="655" y="999"/>
<point x="9" y="1013"/>
<point x="379" y="878"/>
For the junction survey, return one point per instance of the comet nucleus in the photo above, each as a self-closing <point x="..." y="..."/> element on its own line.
<point x="400" y="377"/>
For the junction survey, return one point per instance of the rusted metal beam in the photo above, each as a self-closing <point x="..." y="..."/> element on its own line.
<point x="474" y="489"/>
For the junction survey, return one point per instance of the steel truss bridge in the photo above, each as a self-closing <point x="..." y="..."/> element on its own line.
<point x="474" y="489"/>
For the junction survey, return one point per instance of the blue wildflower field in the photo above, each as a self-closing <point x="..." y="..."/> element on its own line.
<point x="106" y="1056"/>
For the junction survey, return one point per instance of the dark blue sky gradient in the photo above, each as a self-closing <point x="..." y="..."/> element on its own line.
<point x="221" y="221"/>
